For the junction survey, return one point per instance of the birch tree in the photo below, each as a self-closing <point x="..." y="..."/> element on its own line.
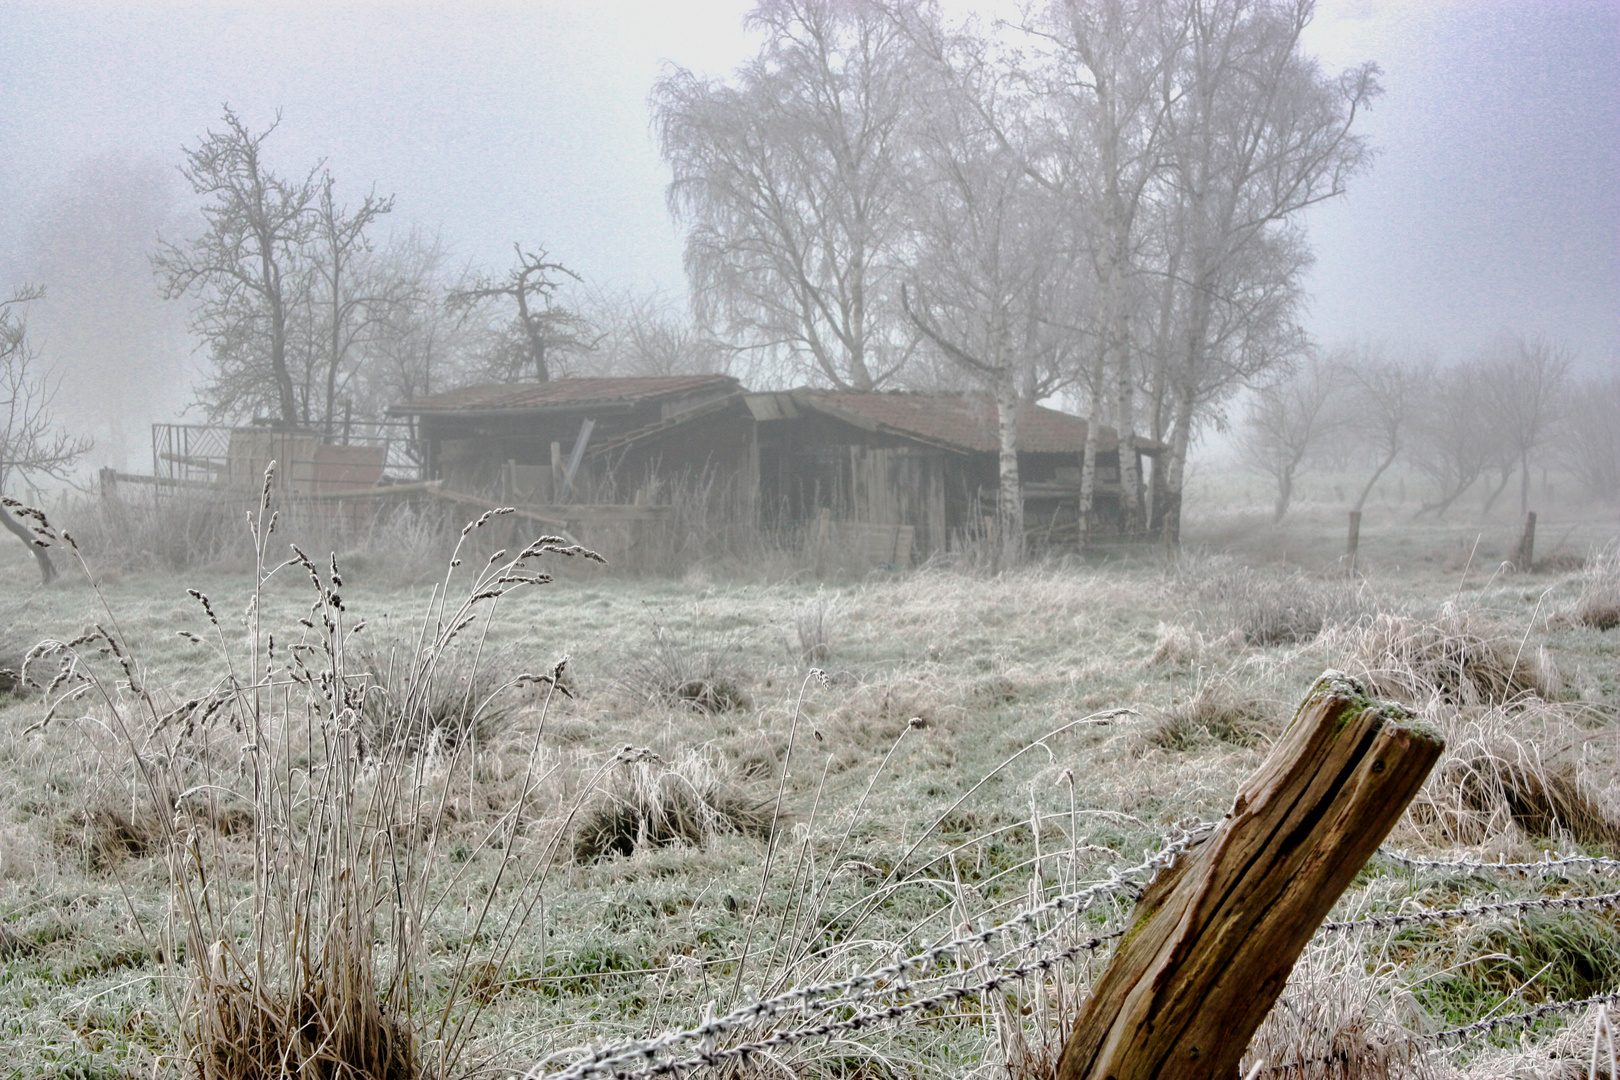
<point x="990" y="273"/>
<point x="1098" y="143"/>
<point x="792" y="179"/>
<point x="1257" y="134"/>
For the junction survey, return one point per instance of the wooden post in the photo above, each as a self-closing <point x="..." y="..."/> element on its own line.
<point x="1213" y="939"/>
<point x="556" y="473"/>
<point x="109" y="482"/>
<point x="1354" y="542"/>
<point x="1525" y="557"/>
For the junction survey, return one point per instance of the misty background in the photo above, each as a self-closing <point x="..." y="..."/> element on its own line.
<point x="1492" y="203"/>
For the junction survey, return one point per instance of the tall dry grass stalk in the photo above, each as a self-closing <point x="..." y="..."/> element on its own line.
<point x="304" y="938"/>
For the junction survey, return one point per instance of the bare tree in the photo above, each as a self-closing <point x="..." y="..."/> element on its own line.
<point x="1588" y="440"/>
<point x="646" y="333"/>
<point x="793" y="181"/>
<point x="31" y="444"/>
<point x="543" y="325"/>
<point x="354" y="297"/>
<point x="1287" y="422"/>
<point x="416" y="348"/>
<point x="1258" y="135"/>
<point x="1455" y="443"/>
<point x="1525" y="382"/>
<point x="243" y="268"/>
<point x="990" y="274"/>
<point x="1385" y="397"/>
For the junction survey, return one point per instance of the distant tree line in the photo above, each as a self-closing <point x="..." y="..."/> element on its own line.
<point x="1100" y="200"/>
<point x="310" y="320"/>
<point x="1475" y="426"/>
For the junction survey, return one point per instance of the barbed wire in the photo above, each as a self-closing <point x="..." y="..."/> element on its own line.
<point x="1547" y="863"/>
<point x="640" y="1059"/>
<point x="1544" y="903"/>
<point x="860" y="1021"/>
<point x="1458" y="1036"/>
<point x="861" y="987"/>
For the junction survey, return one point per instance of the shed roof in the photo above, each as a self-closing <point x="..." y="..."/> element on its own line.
<point x="961" y="421"/>
<point x="563" y="394"/>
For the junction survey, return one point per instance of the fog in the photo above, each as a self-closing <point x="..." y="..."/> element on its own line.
<point x="1490" y="208"/>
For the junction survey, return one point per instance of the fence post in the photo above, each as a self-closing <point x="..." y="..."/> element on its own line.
<point x="1354" y="542"/>
<point x="1525" y="557"/>
<point x="1213" y="939"/>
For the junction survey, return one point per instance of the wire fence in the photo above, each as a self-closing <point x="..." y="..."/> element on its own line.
<point x="1008" y="955"/>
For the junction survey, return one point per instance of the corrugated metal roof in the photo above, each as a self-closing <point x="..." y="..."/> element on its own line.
<point x="965" y="421"/>
<point x="563" y="393"/>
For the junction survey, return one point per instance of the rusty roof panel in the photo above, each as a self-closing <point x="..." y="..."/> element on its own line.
<point x="964" y="421"/>
<point x="564" y="393"/>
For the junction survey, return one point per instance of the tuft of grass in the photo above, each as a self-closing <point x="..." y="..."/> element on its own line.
<point x="1511" y="965"/>
<point x="1511" y="773"/>
<point x="1597" y="607"/>
<point x="1281" y="609"/>
<point x="814" y="623"/>
<point x="1458" y="657"/>
<point x="1176" y="646"/>
<point x="646" y="802"/>
<point x="1218" y="710"/>
<point x="1546" y="801"/>
<point x="696" y="671"/>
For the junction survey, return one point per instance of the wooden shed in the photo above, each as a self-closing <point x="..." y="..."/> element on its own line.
<point x="598" y="440"/>
<point x="893" y="464"/>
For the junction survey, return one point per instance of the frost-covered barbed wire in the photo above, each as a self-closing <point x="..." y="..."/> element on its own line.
<point x="1544" y="903"/>
<point x="899" y="1011"/>
<point x="1546" y="864"/>
<point x="861" y="987"/>
<point x="1460" y="1036"/>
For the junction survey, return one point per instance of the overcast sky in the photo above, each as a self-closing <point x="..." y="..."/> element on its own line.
<point x="1495" y="201"/>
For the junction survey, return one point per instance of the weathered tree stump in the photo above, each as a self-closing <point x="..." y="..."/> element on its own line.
<point x="1213" y="939"/>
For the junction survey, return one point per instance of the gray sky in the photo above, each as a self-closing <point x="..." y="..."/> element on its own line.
<point x="1495" y="201"/>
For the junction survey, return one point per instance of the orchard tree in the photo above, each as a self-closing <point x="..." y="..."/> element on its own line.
<point x="1525" y="382"/>
<point x="32" y="446"/>
<point x="544" y="327"/>
<point x="355" y="295"/>
<point x="246" y="269"/>
<point x="1384" y="400"/>
<point x="1588" y="440"/>
<point x="793" y="180"/>
<point x="1288" y="422"/>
